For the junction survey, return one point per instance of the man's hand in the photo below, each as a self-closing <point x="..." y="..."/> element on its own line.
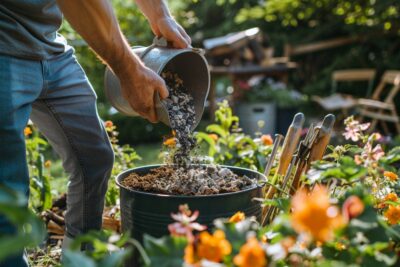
<point x="139" y="87"/>
<point x="163" y="24"/>
<point x="168" y="28"/>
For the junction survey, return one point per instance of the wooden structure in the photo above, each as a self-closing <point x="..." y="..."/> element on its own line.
<point x="354" y="75"/>
<point x="381" y="107"/>
<point x="241" y="55"/>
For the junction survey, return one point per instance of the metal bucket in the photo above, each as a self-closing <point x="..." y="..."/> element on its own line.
<point x="189" y="64"/>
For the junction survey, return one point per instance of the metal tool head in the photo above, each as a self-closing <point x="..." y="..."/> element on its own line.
<point x="298" y="120"/>
<point x="327" y="124"/>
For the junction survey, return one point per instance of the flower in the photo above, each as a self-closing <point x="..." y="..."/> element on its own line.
<point x="391" y="176"/>
<point x="213" y="137"/>
<point x="185" y="223"/>
<point x="108" y="124"/>
<point x="213" y="247"/>
<point x="171" y="142"/>
<point x="352" y="207"/>
<point x="47" y="164"/>
<point x="251" y="254"/>
<point x="392" y="197"/>
<point x="27" y="131"/>
<point x="313" y="214"/>
<point x="189" y="256"/>
<point x="267" y="139"/>
<point x="392" y="214"/>
<point x="237" y="217"/>
<point x="354" y="129"/>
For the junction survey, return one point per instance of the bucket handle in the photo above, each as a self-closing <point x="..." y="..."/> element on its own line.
<point x="162" y="42"/>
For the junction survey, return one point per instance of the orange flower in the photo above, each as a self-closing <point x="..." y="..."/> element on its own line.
<point x="352" y="207"/>
<point x="237" y="217"/>
<point x="47" y="164"/>
<point x="313" y="214"/>
<point x="392" y="214"/>
<point x="108" y="124"/>
<point x="213" y="137"/>
<point x="189" y="256"/>
<point x="213" y="247"/>
<point x="251" y="255"/>
<point x="267" y="139"/>
<point x="27" y="131"/>
<point x="171" y="142"/>
<point x="391" y="176"/>
<point x="391" y="197"/>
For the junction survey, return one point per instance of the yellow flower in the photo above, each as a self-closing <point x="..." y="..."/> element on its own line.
<point x="392" y="214"/>
<point x="313" y="214"/>
<point x="171" y="142"/>
<point x="391" y="176"/>
<point x="27" y="131"/>
<point x="213" y="247"/>
<point x="213" y="137"/>
<point x="267" y="139"/>
<point x="237" y="217"/>
<point x="47" y="164"/>
<point x="251" y="255"/>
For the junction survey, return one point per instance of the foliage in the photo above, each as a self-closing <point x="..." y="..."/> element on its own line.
<point x="29" y="229"/>
<point x="107" y="250"/>
<point x="271" y="91"/>
<point x="348" y="214"/>
<point x="125" y="158"/>
<point x="38" y="166"/>
<point x="228" y="145"/>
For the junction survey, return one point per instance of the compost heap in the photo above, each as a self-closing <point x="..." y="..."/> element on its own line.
<point x="182" y="177"/>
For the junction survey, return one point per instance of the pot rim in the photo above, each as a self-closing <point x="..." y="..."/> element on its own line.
<point x="124" y="173"/>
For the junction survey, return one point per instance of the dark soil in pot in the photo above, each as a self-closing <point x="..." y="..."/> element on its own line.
<point x="150" y="212"/>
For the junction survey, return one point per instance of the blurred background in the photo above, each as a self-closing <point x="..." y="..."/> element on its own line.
<point x="285" y="62"/>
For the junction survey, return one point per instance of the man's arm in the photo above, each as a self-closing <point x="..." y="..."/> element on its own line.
<point x="95" y="21"/>
<point x="162" y="23"/>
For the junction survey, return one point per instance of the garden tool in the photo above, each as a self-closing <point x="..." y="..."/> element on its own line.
<point x="189" y="64"/>
<point x="313" y="149"/>
<point x="289" y="146"/>
<point x="277" y="143"/>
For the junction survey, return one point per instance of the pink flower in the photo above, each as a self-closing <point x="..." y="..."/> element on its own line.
<point x="185" y="223"/>
<point x="354" y="129"/>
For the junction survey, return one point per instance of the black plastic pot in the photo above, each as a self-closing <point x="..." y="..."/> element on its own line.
<point x="150" y="213"/>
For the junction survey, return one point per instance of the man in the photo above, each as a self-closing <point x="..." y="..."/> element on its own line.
<point x="41" y="79"/>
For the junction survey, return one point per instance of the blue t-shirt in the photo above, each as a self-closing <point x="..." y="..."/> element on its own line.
<point x="28" y="29"/>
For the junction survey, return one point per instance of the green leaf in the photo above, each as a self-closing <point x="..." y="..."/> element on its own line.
<point x="166" y="251"/>
<point x="115" y="258"/>
<point x="215" y="128"/>
<point x="77" y="259"/>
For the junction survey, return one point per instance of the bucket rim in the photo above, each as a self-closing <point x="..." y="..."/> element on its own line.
<point x="124" y="173"/>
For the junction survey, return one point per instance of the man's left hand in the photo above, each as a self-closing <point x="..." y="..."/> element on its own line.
<point x="168" y="28"/>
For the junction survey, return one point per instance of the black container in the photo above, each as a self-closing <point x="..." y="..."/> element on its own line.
<point x="150" y="213"/>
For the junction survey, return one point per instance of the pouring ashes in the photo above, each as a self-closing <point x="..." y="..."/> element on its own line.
<point x="182" y="177"/>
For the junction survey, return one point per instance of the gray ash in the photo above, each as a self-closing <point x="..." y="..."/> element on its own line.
<point x="196" y="180"/>
<point x="181" y="112"/>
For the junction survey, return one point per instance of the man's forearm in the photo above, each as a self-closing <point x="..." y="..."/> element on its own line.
<point x="95" y="21"/>
<point x="153" y="9"/>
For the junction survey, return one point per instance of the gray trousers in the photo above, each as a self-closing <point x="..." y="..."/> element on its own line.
<point x="59" y="99"/>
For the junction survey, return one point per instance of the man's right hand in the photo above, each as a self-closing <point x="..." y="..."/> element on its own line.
<point x="140" y="86"/>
